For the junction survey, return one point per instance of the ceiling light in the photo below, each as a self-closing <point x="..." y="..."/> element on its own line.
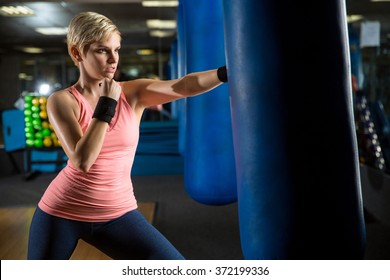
<point x="24" y="76"/>
<point x="353" y="18"/>
<point x="145" y="52"/>
<point x="161" y="24"/>
<point x="16" y="11"/>
<point x="161" y="33"/>
<point x="33" y="50"/>
<point x="160" y="3"/>
<point x="52" y="30"/>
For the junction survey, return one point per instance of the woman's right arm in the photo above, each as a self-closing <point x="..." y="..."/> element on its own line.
<point x="81" y="148"/>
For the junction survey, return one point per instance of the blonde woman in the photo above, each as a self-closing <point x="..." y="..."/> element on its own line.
<point x="97" y="121"/>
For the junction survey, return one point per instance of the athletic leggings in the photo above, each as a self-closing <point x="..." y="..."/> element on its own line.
<point x="128" y="237"/>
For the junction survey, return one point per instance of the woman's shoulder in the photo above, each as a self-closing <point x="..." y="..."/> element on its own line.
<point x="62" y="100"/>
<point x="63" y="95"/>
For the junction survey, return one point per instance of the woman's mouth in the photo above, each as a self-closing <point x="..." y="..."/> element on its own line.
<point x="111" y="70"/>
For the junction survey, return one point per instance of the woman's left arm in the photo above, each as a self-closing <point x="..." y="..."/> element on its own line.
<point x="148" y="92"/>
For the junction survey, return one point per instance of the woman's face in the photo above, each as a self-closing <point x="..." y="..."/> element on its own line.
<point x="102" y="57"/>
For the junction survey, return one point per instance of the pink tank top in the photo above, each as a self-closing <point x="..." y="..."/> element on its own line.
<point x="104" y="192"/>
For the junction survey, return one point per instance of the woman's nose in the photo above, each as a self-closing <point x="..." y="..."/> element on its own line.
<point x="113" y="57"/>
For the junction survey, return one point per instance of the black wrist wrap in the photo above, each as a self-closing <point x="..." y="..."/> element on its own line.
<point x="105" y="109"/>
<point x="222" y="74"/>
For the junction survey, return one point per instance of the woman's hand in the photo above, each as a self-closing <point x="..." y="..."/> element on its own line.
<point x="110" y="88"/>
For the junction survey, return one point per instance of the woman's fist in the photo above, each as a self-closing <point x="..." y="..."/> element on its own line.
<point x="110" y="88"/>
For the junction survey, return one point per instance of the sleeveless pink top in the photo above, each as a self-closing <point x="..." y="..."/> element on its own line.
<point x="104" y="192"/>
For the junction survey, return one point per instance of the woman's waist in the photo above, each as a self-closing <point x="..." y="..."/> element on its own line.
<point x="100" y="187"/>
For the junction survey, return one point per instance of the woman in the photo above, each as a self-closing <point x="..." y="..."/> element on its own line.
<point x="97" y="122"/>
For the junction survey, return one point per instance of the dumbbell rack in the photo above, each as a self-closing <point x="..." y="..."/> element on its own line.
<point x="370" y="151"/>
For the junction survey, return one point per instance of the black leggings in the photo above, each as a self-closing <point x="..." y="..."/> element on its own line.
<point x="130" y="236"/>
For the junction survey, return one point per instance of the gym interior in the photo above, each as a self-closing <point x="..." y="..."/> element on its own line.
<point x="288" y="160"/>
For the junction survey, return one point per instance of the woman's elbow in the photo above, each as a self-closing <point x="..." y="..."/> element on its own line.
<point x="82" y="165"/>
<point x="83" y="168"/>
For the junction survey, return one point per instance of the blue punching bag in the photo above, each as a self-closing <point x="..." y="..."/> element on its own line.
<point x="209" y="166"/>
<point x="181" y="71"/>
<point x="173" y="74"/>
<point x="299" y="193"/>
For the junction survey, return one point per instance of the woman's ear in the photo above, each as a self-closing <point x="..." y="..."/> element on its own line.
<point x="76" y="54"/>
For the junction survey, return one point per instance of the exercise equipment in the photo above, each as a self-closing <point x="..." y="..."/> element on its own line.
<point x="370" y="136"/>
<point x="157" y="152"/>
<point x="209" y="165"/>
<point x="173" y="74"/>
<point x="181" y="71"/>
<point x="38" y="131"/>
<point x="43" y="149"/>
<point x="12" y="121"/>
<point x="294" y="136"/>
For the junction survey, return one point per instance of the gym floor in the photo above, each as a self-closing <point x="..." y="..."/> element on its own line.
<point x="198" y="231"/>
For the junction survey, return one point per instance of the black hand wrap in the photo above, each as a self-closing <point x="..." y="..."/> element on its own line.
<point x="105" y="109"/>
<point x="222" y="74"/>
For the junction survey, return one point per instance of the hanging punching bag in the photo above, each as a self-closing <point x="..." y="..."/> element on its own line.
<point x="299" y="191"/>
<point x="173" y="74"/>
<point x="181" y="71"/>
<point x="209" y="164"/>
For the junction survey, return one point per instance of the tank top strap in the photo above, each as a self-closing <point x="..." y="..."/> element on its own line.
<point x="85" y="109"/>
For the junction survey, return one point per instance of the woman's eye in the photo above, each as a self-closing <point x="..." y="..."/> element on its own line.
<point x="102" y="50"/>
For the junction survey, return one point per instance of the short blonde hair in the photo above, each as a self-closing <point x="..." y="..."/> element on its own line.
<point x="87" y="28"/>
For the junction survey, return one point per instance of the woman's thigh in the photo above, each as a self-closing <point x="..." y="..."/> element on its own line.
<point x="131" y="236"/>
<point x="52" y="237"/>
